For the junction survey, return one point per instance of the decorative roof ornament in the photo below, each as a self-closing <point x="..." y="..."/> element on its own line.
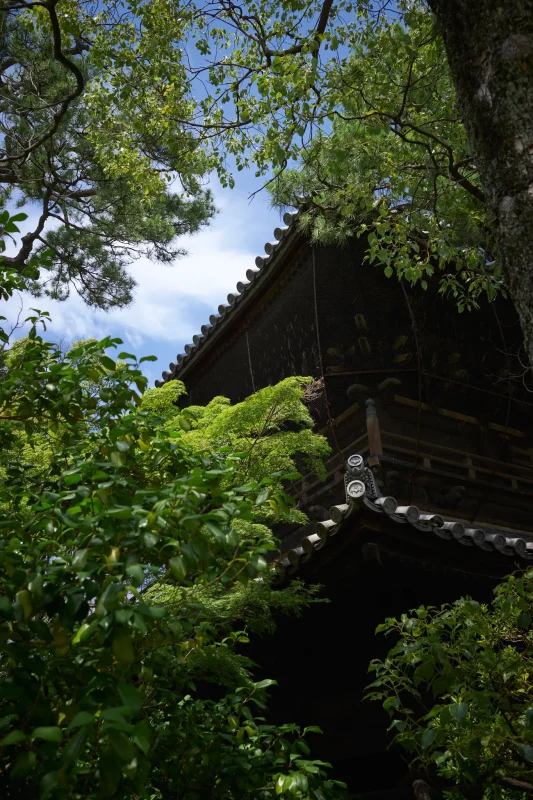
<point x="262" y="265"/>
<point x="362" y="492"/>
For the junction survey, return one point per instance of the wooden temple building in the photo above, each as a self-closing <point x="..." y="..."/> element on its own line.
<point x="429" y="490"/>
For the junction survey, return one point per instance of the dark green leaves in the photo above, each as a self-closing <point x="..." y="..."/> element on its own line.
<point x="130" y="696"/>
<point x="526" y="752"/>
<point x="524" y="620"/>
<point x="121" y="745"/>
<point x="428" y="738"/>
<point x="136" y="573"/>
<point x="458" y="711"/>
<point x="113" y="567"/>
<point x="15" y="737"/>
<point x="82" y="718"/>
<point x="48" y="734"/>
<point x="469" y="664"/>
<point x="177" y="568"/>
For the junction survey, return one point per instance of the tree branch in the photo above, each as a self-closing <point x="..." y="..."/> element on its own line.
<point x="319" y="30"/>
<point x="514" y="783"/>
<point x="69" y="65"/>
<point x="19" y="261"/>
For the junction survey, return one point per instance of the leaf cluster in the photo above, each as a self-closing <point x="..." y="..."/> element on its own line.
<point x="396" y="163"/>
<point x="103" y="680"/>
<point x="457" y="687"/>
<point x="90" y="222"/>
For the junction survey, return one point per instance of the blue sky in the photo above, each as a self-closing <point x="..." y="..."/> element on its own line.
<point x="172" y="302"/>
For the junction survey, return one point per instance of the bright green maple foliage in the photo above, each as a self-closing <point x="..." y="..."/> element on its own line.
<point x="272" y="429"/>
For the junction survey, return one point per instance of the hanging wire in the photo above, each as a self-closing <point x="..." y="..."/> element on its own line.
<point x="250" y="360"/>
<point x="331" y="424"/>
<point x="414" y="328"/>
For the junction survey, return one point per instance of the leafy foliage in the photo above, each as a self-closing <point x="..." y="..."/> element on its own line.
<point x="103" y="682"/>
<point x="90" y="223"/>
<point x="457" y="686"/>
<point x="359" y="96"/>
<point x="397" y="163"/>
<point x="272" y="429"/>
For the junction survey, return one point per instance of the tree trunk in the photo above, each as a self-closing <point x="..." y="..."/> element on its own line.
<point x="490" y="51"/>
<point x="421" y="790"/>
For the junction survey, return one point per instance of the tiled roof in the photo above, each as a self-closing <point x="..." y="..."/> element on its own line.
<point x="263" y="265"/>
<point x="362" y="492"/>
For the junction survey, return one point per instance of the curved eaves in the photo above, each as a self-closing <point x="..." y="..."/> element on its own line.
<point x="489" y="539"/>
<point x="262" y="266"/>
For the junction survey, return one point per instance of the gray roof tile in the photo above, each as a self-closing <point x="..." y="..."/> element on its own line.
<point x="507" y="542"/>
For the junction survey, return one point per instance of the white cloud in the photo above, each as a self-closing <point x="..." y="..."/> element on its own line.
<point x="172" y="302"/>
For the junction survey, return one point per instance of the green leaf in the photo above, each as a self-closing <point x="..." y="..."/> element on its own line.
<point x="116" y="715"/>
<point x="264" y="684"/>
<point x="70" y="479"/>
<point x="123" y="649"/>
<point x="130" y="696"/>
<point x="152" y="612"/>
<point x="457" y="711"/>
<point x="150" y="539"/>
<point x="391" y="702"/>
<point x="108" y="363"/>
<point x="217" y="532"/>
<point x="48" y="734"/>
<point x="24" y="598"/>
<point x="524" y="620"/>
<point x="121" y="745"/>
<point x="177" y="568"/>
<point x="49" y="783"/>
<point x="109" y="767"/>
<point x="15" y="737"/>
<point x="526" y="751"/>
<point x="23" y="765"/>
<point x="80" y="719"/>
<point x="424" y="672"/>
<point x="116" y="459"/>
<point x="428" y="738"/>
<point x="79" y="560"/>
<point x="85" y="631"/>
<point x="262" y="497"/>
<point x="75" y="747"/>
<point x="141" y="736"/>
<point x="259" y="563"/>
<point x="136" y="572"/>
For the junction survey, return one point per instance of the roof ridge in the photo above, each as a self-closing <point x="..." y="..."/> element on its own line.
<point x="262" y="265"/>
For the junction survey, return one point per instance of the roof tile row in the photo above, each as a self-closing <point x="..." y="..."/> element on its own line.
<point x="360" y="494"/>
<point x="262" y="266"/>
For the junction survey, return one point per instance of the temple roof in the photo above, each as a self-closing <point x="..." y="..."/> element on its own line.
<point x="255" y="277"/>
<point x="362" y="493"/>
